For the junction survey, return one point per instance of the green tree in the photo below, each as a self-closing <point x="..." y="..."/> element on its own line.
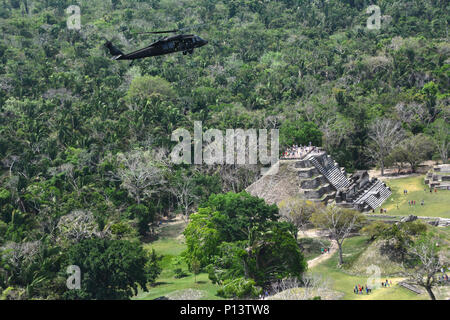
<point x="202" y="237"/>
<point x="111" y="269"/>
<point x="299" y="132"/>
<point x="374" y="229"/>
<point x="195" y="266"/>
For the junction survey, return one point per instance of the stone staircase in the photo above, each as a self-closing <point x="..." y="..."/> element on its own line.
<point x="332" y="172"/>
<point x="375" y="195"/>
<point x="361" y="192"/>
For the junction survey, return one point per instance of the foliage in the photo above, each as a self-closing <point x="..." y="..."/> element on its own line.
<point x="257" y="246"/>
<point x="111" y="269"/>
<point x="82" y="132"/>
<point x="374" y="229"/>
<point x="239" y="288"/>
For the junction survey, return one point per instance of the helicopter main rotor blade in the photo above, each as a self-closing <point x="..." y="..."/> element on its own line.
<point x="157" y="32"/>
<point x="174" y="30"/>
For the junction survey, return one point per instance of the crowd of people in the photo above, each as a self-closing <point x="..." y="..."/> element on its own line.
<point x="358" y="289"/>
<point x="386" y="283"/>
<point x="264" y="295"/>
<point x="413" y="202"/>
<point x="298" y="151"/>
<point x="443" y="278"/>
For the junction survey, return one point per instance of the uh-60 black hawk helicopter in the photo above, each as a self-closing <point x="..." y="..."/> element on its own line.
<point x="181" y="42"/>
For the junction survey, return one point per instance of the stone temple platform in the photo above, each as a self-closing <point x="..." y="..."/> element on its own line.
<point x="317" y="177"/>
<point x="439" y="177"/>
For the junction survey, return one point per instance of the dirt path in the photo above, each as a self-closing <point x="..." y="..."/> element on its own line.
<point x="391" y="173"/>
<point x="312" y="233"/>
<point x="325" y="256"/>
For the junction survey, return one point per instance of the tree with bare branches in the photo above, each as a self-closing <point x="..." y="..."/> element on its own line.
<point x="306" y="288"/>
<point x="182" y="187"/>
<point x="297" y="211"/>
<point x="339" y="222"/>
<point x="384" y="135"/>
<point x="441" y="135"/>
<point x="140" y="173"/>
<point x="425" y="262"/>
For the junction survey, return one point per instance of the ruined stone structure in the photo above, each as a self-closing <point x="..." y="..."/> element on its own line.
<point x="439" y="177"/>
<point x="316" y="176"/>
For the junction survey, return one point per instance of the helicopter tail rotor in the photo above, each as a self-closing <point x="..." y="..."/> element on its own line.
<point x="116" y="53"/>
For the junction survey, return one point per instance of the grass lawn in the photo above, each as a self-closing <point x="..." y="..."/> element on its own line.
<point x="170" y="245"/>
<point x="344" y="282"/>
<point x="436" y="204"/>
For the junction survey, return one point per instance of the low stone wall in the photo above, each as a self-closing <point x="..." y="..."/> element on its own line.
<point x="308" y="172"/>
<point x="318" y="193"/>
<point x="313" y="183"/>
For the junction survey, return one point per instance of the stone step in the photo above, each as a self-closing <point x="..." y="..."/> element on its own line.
<point x="409" y="287"/>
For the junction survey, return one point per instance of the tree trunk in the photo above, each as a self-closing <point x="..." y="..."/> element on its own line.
<point x="246" y="273"/>
<point x="430" y="293"/>
<point x="413" y="167"/>
<point x="341" y="260"/>
<point x="382" y="167"/>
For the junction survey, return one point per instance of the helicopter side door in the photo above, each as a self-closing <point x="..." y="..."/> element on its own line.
<point x="168" y="46"/>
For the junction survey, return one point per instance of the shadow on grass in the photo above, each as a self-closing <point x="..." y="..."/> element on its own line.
<point x="160" y="283"/>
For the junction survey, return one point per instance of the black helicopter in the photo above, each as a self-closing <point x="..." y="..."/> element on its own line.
<point x="181" y="42"/>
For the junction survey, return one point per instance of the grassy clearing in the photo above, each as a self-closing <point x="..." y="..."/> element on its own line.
<point x="344" y="282"/>
<point x="170" y="244"/>
<point x="436" y="204"/>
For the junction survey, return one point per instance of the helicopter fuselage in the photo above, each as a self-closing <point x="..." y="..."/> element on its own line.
<point x="185" y="43"/>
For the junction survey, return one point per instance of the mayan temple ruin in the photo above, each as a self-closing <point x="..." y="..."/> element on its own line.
<point x="439" y="177"/>
<point x="310" y="173"/>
